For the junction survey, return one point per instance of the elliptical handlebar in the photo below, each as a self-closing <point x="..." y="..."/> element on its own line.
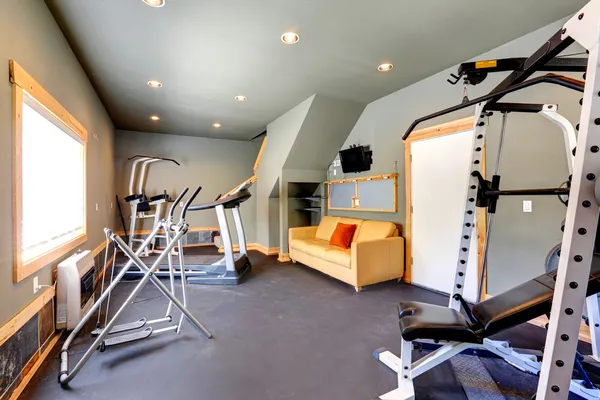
<point x="177" y="200"/>
<point x="189" y="202"/>
<point x="153" y="158"/>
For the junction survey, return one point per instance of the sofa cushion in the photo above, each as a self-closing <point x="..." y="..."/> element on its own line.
<point x="338" y="256"/>
<point x="342" y="236"/>
<point x="300" y="244"/>
<point x="373" y="230"/>
<point x="316" y="248"/>
<point x="326" y="227"/>
<point x="352" y="221"/>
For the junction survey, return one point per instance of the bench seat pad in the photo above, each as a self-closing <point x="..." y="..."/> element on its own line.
<point x="428" y="321"/>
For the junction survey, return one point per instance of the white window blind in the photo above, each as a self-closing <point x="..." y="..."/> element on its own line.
<point x="53" y="182"/>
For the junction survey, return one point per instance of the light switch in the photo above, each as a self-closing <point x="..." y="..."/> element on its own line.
<point x="527" y="206"/>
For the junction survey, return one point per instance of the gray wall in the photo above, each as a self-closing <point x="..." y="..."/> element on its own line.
<point x="215" y="164"/>
<point x="274" y="220"/>
<point x="292" y="175"/>
<point x="30" y="36"/>
<point x="327" y="125"/>
<point x="533" y="157"/>
<point x="301" y="142"/>
<point x="281" y="134"/>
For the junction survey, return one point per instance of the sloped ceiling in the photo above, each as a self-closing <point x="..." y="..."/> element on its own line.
<point x="205" y="52"/>
<point x="323" y="132"/>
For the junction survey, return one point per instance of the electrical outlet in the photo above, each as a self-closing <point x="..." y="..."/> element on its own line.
<point x="181" y="204"/>
<point x="36" y="284"/>
<point x="334" y="172"/>
<point x="527" y="206"/>
<point x="111" y="205"/>
<point x="96" y="206"/>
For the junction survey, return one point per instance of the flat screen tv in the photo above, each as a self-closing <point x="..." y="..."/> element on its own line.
<point x="356" y="159"/>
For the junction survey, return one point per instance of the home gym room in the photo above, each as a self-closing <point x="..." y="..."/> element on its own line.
<point x="299" y="200"/>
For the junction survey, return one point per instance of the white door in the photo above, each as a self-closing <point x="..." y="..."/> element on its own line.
<point x="439" y="179"/>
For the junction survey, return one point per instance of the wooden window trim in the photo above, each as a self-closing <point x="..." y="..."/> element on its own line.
<point x="356" y="180"/>
<point x="23" y="82"/>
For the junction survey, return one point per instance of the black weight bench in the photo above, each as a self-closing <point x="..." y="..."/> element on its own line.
<point x="513" y="307"/>
<point x="422" y="321"/>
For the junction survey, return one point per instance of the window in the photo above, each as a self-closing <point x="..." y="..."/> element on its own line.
<point x="49" y="215"/>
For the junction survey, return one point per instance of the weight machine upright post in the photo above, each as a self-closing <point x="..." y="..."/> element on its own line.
<point x="490" y="216"/>
<point x="157" y="218"/>
<point x="144" y="173"/>
<point x="132" y="222"/>
<point x="133" y="175"/>
<point x="479" y="128"/>
<point x="581" y="221"/>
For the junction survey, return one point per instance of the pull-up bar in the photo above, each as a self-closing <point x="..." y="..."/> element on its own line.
<point x="153" y="158"/>
<point x="560" y="80"/>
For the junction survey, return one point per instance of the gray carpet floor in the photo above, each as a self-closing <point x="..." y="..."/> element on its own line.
<point x="287" y="333"/>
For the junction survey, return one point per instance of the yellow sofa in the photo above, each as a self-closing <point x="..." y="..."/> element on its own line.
<point x="376" y="254"/>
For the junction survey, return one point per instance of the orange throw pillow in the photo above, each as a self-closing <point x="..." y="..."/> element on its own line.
<point x="342" y="236"/>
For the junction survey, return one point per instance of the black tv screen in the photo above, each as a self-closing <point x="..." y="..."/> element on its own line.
<point x="355" y="159"/>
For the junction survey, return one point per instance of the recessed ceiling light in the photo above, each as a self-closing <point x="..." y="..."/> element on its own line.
<point x="241" y="98"/>
<point x="290" y="38"/>
<point x="385" y="67"/>
<point x="154" y="84"/>
<point x="155" y="3"/>
<point x="216" y="125"/>
<point x="154" y="117"/>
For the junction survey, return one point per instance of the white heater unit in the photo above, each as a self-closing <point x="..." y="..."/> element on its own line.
<point x="74" y="289"/>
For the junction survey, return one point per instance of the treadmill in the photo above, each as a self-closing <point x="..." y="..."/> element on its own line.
<point x="228" y="269"/>
<point x="232" y="267"/>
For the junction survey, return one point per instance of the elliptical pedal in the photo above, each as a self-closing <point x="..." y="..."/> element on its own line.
<point x="129" y="337"/>
<point x="122" y="328"/>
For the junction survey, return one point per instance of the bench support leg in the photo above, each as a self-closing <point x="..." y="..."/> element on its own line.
<point x="403" y="367"/>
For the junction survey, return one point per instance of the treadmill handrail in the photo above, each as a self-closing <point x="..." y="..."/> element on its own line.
<point x="548" y="78"/>
<point x="239" y="196"/>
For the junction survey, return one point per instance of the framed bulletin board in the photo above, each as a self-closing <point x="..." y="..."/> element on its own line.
<point x="377" y="193"/>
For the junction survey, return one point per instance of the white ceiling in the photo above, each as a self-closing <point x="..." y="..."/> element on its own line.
<point x="205" y="52"/>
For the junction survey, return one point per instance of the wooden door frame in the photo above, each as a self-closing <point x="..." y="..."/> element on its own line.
<point x="447" y="128"/>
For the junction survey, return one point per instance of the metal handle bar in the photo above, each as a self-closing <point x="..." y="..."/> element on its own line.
<point x="177" y="200"/>
<point x="154" y="158"/>
<point x="189" y="201"/>
<point x="548" y="78"/>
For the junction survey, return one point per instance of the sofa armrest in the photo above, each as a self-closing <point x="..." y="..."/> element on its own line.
<point x="378" y="260"/>
<point x="303" y="232"/>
